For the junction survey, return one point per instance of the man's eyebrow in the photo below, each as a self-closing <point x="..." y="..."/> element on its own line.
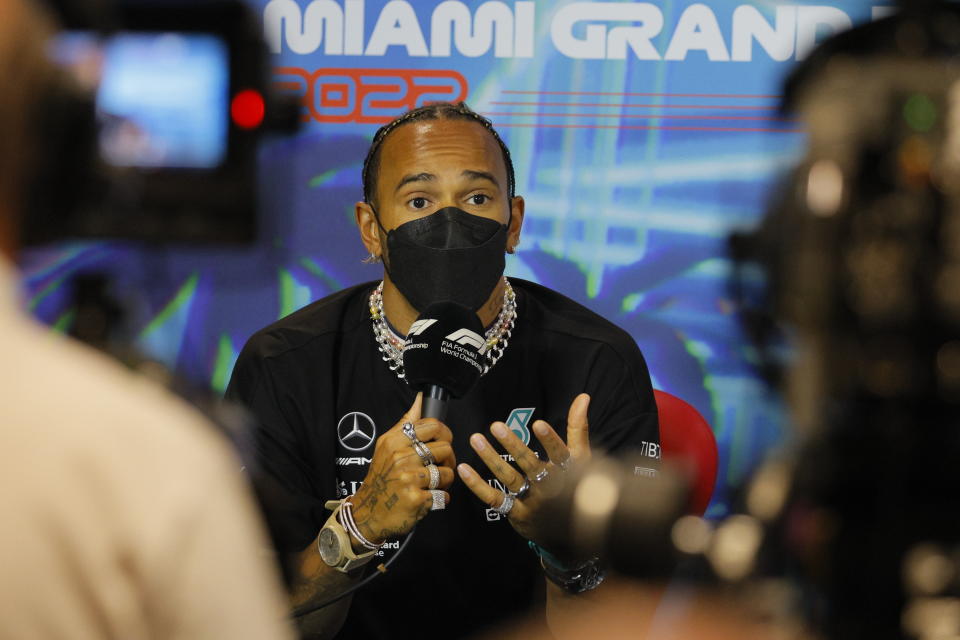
<point x="479" y="175"/>
<point x="414" y="177"/>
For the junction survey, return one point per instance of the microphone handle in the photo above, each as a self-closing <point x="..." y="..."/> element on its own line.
<point x="435" y="402"/>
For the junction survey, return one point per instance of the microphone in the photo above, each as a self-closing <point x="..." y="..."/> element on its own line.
<point x="443" y="355"/>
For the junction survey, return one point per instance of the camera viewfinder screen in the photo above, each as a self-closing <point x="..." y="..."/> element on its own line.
<point x="162" y="98"/>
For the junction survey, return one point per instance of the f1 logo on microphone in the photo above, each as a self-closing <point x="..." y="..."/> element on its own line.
<point x="471" y="338"/>
<point x="420" y="326"/>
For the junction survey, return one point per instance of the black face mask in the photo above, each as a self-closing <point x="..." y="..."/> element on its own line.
<point x="449" y="255"/>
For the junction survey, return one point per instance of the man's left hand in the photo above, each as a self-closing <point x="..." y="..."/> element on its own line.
<point x="561" y="454"/>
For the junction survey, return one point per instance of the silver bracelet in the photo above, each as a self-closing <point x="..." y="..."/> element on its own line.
<point x="346" y="519"/>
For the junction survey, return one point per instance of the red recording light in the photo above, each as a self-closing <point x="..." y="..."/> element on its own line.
<point x="247" y="109"/>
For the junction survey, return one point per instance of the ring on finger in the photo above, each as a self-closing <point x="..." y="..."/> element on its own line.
<point x="506" y="505"/>
<point x="541" y="475"/>
<point x="410" y="431"/>
<point x="524" y="489"/>
<point x="439" y="502"/>
<point x="564" y="464"/>
<point x="424" y="452"/>
<point x="434" y="476"/>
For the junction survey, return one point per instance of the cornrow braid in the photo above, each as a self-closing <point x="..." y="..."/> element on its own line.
<point x="432" y="111"/>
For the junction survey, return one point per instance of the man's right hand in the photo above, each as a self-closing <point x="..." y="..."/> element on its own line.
<point x="395" y="494"/>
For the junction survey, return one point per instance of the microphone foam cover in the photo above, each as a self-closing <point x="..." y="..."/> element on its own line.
<point x="445" y="347"/>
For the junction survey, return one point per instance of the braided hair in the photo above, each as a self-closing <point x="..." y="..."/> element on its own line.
<point x="432" y="111"/>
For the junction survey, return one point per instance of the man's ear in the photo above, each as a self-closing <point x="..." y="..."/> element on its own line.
<point x="516" y="223"/>
<point x="369" y="229"/>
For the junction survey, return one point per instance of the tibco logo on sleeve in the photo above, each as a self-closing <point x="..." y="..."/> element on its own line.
<point x="650" y="450"/>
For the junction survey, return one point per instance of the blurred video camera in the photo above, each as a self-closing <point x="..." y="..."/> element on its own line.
<point x="873" y="218"/>
<point x="862" y="253"/>
<point x="853" y="533"/>
<point x="151" y="127"/>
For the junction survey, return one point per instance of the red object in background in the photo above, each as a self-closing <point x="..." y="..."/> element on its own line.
<point x="247" y="109"/>
<point x="687" y="441"/>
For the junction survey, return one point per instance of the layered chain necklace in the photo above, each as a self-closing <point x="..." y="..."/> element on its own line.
<point x="497" y="336"/>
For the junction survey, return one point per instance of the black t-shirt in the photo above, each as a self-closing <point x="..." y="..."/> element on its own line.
<point x="321" y="393"/>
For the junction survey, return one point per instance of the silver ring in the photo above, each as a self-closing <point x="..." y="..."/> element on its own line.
<point x="434" y="476"/>
<point x="522" y="492"/>
<point x="410" y="431"/>
<point x="439" y="502"/>
<point x="424" y="452"/>
<point x="541" y="475"/>
<point x="506" y="505"/>
<point x="565" y="464"/>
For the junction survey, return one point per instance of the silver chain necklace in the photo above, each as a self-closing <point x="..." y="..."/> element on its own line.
<point x="390" y="344"/>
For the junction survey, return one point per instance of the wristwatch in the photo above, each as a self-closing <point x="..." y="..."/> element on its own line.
<point x="335" y="546"/>
<point x="586" y="577"/>
<point x="583" y="577"/>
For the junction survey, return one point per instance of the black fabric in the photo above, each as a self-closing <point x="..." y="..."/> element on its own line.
<point x="447" y="255"/>
<point x="449" y="228"/>
<point x="319" y="368"/>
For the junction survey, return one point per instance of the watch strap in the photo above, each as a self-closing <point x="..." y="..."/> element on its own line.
<point x="573" y="579"/>
<point x="584" y="578"/>
<point x="348" y="559"/>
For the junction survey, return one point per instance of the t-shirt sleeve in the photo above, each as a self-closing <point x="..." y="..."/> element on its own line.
<point x="289" y="487"/>
<point x="623" y="412"/>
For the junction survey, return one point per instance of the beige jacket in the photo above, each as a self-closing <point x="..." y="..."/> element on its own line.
<point x="122" y="514"/>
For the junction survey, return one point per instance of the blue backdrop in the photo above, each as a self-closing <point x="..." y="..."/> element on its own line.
<point x="642" y="133"/>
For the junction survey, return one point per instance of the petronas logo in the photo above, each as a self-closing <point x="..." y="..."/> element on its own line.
<point x="519" y="422"/>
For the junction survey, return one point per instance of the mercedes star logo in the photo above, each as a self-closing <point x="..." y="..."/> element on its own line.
<point x="356" y="431"/>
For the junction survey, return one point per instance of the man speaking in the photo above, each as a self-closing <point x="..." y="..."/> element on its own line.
<point x="337" y="420"/>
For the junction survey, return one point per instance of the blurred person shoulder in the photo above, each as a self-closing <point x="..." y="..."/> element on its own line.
<point x="59" y="388"/>
<point x="631" y="609"/>
<point x="126" y="513"/>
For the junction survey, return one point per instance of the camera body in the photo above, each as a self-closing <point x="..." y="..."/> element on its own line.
<point x="149" y="131"/>
<point x="862" y="256"/>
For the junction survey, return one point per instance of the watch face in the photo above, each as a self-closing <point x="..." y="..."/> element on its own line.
<point x="329" y="547"/>
<point x="593" y="576"/>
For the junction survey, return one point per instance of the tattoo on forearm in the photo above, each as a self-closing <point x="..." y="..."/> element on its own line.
<point x="392" y="500"/>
